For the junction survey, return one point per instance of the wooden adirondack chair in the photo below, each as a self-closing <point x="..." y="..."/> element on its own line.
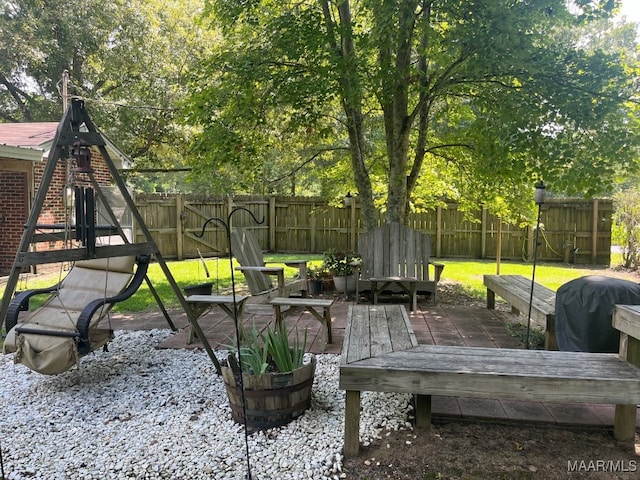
<point x="395" y="259"/>
<point x="246" y="249"/>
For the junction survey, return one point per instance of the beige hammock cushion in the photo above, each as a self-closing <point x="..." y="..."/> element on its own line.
<point x="87" y="281"/>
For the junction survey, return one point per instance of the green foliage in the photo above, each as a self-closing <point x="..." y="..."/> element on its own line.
<point x="128" y="58"/>
<point x="260" y="352"/>
<point x="626" y="226"/>
<point x="317" y="272"/>
<point x="340" y="263"/>
<point x="285" y="358"/>
<point x="253" y="354"/>
<point x="472" y="101"/>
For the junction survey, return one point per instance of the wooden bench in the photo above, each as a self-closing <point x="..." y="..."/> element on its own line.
<point x="516" y="290"/>
<point x="380" y="353"/>
<point x="312" y="305"/>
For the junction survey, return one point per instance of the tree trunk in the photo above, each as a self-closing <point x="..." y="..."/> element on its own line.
<point x="351" y="92"/>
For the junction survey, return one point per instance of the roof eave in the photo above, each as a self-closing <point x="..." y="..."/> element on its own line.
<point x="21" y="153"/>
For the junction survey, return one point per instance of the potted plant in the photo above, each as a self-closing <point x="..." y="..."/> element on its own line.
<point x="316" y="276"/>
<point x="341" y="265"/>
<point x="277" y="377"/>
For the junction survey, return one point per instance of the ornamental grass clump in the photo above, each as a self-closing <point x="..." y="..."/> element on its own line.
<point x="269" y="351"/>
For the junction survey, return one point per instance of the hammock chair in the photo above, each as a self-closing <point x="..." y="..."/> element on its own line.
<point x="51" y="339"/>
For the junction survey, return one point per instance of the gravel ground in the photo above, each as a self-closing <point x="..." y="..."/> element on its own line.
<point x="137" y="412"/>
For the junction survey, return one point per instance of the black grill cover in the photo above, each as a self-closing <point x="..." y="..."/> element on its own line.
<point x="583" y="312"/>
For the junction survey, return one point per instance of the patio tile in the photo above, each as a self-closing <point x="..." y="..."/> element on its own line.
<point x="439" y="324"/>
<point x="527" y="411"/>
<point x="573" y="414"/>
<point x="482" y="408"/>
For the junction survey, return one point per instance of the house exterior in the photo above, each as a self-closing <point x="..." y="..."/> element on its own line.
<point x="24" y="149"/>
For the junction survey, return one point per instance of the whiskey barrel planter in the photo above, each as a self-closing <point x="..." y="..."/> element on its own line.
<point x="273" y="399"/>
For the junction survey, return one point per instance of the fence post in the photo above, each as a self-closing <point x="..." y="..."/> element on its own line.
<point x="438" y="231"/>
<point x="312" y="228"/>
<point x="230" y="204"/>
<point x="272" y="223"/>
<point x="594" y="232"/>
<point x="352" y="226"/>
<point x="483" y="233"/>
<point x="179" y="228"/>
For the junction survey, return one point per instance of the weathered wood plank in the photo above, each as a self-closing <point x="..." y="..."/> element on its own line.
<point x="480" y="372"/>
<point x="433" y="358"/>
<point x="396" y="251"/>
<point x="359" y="345"/>
<point x="402" y="336"/>
<point x="478" y="385"/>
<point x="516" y="290"/>
<point x="626" y="318"/>
<point x="379" y="332"/>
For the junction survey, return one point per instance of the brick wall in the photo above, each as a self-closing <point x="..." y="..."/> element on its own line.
<point x="13" y="212"/>
<point x="16" y="199"/>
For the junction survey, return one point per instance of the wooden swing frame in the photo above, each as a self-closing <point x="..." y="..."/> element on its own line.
<point x="67" y="135"/>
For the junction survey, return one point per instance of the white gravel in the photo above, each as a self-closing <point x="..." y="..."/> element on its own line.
<point x="140" y="413"/>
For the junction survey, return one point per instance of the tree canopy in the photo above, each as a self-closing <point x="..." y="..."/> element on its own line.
<point x="406" y="102"/>
<point x="128" y="59"/>
<point x="411" y="101"/>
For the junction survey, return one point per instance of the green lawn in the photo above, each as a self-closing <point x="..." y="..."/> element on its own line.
<point x="469" y="273"/>
<point x="187" y="272"/>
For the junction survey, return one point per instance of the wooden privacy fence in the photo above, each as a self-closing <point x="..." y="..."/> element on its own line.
<point x="574" y="230"/>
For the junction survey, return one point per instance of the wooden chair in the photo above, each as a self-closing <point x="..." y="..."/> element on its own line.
<point x="51" y="339"/>
<point x="246" y="249"/>
<point x="395" y="259"/>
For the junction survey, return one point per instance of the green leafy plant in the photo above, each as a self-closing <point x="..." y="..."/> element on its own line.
<point x="269" y="351"/>
<point x="254" y="357"/>
<point x="340" y="263"/>
<point x="317" y="272"/>
<point x="285" y="357"/>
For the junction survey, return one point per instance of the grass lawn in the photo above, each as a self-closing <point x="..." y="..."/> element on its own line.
<point x="468" y="273"/>
<point x="186" y="272"/>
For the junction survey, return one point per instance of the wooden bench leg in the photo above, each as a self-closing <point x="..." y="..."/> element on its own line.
<point x="423" y="411"/>
<point x="352" y="423"/>
<point x="491" y="299"/>
<point x="414" y="297"/>
<point x="624" y="424"/>
<point x="277" y="313"/>
<point x="327" y="321"/>
<point x="550" y="340"/>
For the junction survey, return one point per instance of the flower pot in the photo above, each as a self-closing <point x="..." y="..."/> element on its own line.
<point x="345" y="284"/>
<point x="272" y="399"/>
<point x="315" y="287"/>
<point x="200" y="289"/>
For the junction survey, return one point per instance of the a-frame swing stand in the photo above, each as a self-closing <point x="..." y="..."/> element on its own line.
<point x="69" y="136"/>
